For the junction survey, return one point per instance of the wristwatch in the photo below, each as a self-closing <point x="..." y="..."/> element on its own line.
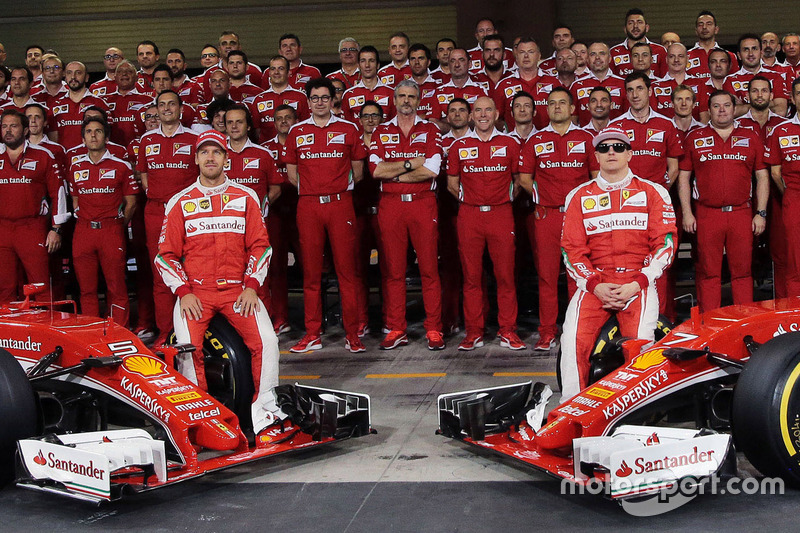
<point x="56" y="230"/>
<point x="762" y="213"/>
<point x="407" y="165"/>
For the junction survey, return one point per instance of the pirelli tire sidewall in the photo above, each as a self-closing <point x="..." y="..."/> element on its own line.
<point x="18" y="412"/>
<point x="766" y="409"/>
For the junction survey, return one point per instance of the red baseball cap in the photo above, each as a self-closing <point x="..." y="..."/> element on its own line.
<point x="612" y="133"/>
<point x="212" y="136"/>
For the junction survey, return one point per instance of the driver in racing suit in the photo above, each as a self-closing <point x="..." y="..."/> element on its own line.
<point x="214" y="253"/>
<point x="616" y="241"/>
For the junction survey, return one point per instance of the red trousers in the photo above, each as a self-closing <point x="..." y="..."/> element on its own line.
<point x="547" y="229"/>
<point x="282" y="229"/>
<point x="778" y="246"/>
<point x="369" y="238"/>
<point x="450" y="264"/>
<point x="401" y="221"/>
<point x="256" y="332"/>
<point x="337" y="220"/>
<point x="162" y="297"/>
<point x="479" y="229"/>
<point x="584" y="320"/>
<point x="719" y="231"/>
<point x="137" y="248"/>
<point x="791" y="223"/>
<point x="23" y="240"/>
<point x="104" y="248"/>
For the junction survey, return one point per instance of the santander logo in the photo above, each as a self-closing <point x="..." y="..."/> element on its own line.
<point x="652" y="440"/>
<point x="624" y="470"/>
<point x="39" y="459"/>
<point x="591" y="227"/>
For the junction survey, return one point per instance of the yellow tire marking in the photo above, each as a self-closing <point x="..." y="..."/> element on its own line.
<point x="310" y="376"/>
<point x="787" y="441"/>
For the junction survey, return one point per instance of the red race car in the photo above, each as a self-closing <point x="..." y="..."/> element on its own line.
<point x="657" y="415"/>
<point x="90" y="412"/>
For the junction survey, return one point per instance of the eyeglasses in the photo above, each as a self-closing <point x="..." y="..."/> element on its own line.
<point x="209" y="55"/>
<point x="109" y="57"/>
<point x="52" y="68"/>
<point x="370" y="116"/>
<point x="339" y="90"/>
<point x="150" y="117"/>
<point x="618" y="147"/>
<point x="317" y="98"/>
<point x="348" y="50"/>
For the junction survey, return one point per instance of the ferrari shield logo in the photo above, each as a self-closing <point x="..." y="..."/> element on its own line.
<point x="226" y="198"/>
<point x="626" y="194"/>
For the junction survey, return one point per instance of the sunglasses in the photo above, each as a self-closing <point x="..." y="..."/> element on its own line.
<point x="348" y="50"/>
<point x="605" y="148"/>
<point x="209" y="55"/>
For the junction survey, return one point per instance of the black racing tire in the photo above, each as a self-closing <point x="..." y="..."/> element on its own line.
<point x="766" y="409"/>
<point x="608" y="333"/>
<point x="228" y="369"/>
<point x="18" y="412"/>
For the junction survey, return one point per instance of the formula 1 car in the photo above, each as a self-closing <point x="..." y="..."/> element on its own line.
<point x="656" y="415"/>
<point x="90" y="412"/>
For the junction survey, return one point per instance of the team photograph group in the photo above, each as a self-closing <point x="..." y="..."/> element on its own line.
<point x="599" y="161"/>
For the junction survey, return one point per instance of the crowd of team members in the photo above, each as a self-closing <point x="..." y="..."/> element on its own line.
<point x="480" y="151"/>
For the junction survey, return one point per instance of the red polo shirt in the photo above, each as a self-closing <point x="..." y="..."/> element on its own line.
<point x="723" y="170"/>
<point x="323" y="155"/>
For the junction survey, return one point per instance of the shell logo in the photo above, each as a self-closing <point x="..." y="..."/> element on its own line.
<point x="144" y="365"/>
<point x="649" y="359"/>
<point x="589" y="203"/>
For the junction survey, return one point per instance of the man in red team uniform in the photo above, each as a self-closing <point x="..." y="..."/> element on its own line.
<point x="299" y="73"/>
<point x="655" y="144"/>
<point x="103" y="197"/>
<point x="214" y="269"/>
<point x="600" y="75"/>
<point x="369" y="88"/>
<point x="562" y="39"/>
<point x="53" y="87"/>
<point x="736" y="83"/>
<point x="127" y="105"/>
<point x="189" y="91"/>
<point x="493" y="71"/>
<point x="228" y="42"/>
<point x="111" y="60"/>
<point x="554" y="161"/>
<point x="406" y="156"/>
<point x="20" y="86"/>
<point x="763" y="121"/>
<point x="443" y="48"/>
<point x="263" y="105"/>
<point x="30" y="226"/>
<point x="348" y="54"/>
<point x="460" y="85"/>
<point x="248" y="163"/>
<point x="790" y="44"/>
<point x="482" y="168"/>
<point x="782" y="154"/>
<point x="251" y="165"/>
<point x="617" y="240"/>
<point x="636" y="29"/>
<point x="240" y="89"/>
<point x="166" y="166"/>
<point x="676" y="75"/>
<point x="399" y="69"/>
<point x="147" y="56"/>
<point x="162" y="81"/>
<point x="699" y="55"/>
<point x="526" y="79"/>
<point x="483" y="28"/>
<point x="723" y="157"/>
<point x="419" y="58"/>
<point x="68" y="111"/>
<point x="655" y="147"/>
<point x="450" y="275"/>
<point x="282" y="223"/>
<point x="324" y="158"/>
